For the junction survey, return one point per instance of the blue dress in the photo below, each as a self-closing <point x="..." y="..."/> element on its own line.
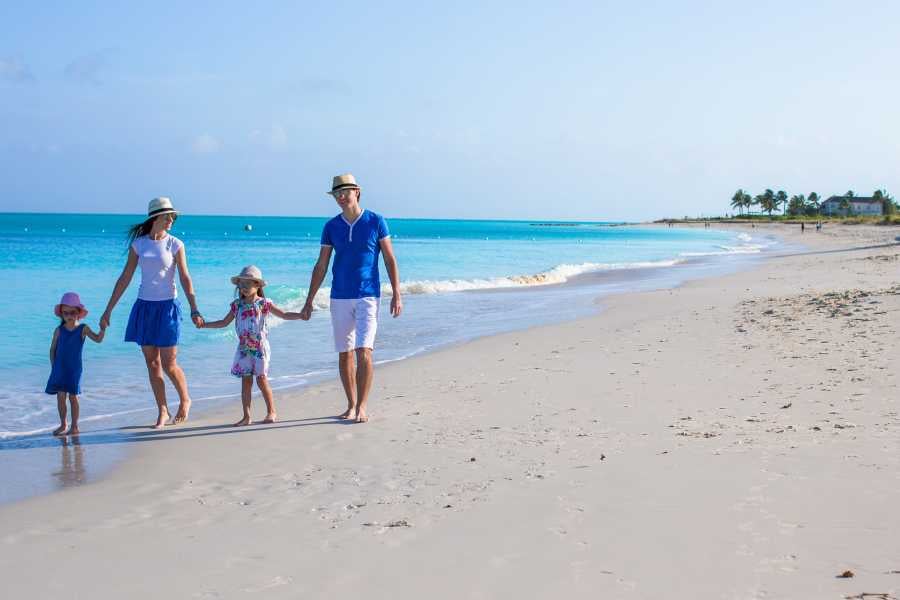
<point x="65" y="376"/>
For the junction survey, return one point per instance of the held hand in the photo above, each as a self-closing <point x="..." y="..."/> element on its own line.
<point x="104" y="321"/>
<point x="198" y="321"/>
<point x="306" y="312"/>
<point x="396" y="305"/>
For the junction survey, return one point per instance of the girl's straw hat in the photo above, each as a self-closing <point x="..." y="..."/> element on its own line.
<point x="343" y="182"/>
<point x="160" y="206"/>
<point x="251" y="272"/>
<point x="70" y="299"/>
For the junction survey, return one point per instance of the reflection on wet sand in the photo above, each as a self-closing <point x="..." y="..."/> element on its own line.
<point x="72" y="470"/>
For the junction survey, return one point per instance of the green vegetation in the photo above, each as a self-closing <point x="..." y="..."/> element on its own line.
<point x="800" y="205"/>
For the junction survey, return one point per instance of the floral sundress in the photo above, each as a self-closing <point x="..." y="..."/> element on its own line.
<point x="252" y="354"/>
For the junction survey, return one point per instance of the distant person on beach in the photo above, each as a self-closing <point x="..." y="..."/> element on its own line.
<point x="356" y="237"/>
<point x="65" y="358"/>
<point x="250" y="313"/>
<point x="155" y="320"/>
<point x="802" y="226"/>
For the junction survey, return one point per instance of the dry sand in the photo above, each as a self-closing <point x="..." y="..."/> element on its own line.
<point x="736" y="437"/>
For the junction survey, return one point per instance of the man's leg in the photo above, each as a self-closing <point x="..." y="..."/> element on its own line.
<point x="363" y="382"/>
<point x="347" y="368"/>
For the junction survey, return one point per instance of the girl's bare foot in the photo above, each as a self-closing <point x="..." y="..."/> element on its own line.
<point x="245" y="421"/>
<point x="73" y="430"/>
<point x="350" y="414"/>
<point x="362" y="417"/>
<point x="161" y="420"/>
<point x="270" y="418"/>
<point x="182" y="415"/>
<point x="59" y="430"/>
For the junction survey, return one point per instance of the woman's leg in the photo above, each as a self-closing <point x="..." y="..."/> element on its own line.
<point x="263" y="383"/>
<point x="176" y="376"/>
<point x="73" y="399"/>
<point x="246" y="395"/>
<point x="154" y="371"/>
<point x="61" y="407"/>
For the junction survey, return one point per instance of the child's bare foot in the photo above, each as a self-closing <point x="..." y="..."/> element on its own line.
<point x="162" y="419"/>
<point x="350" y="414"/>
<point x="59" y="430"/>
<point x="245" y="421"/>
<point x="362" y="417"/>
<point x="270" y="418"/>
<point x="73" y="430"/>
<point x="182" y="415"/>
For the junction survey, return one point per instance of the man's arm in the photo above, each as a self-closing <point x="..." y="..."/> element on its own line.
<point x="318" y="276"/>
<point x="390" y="263"/>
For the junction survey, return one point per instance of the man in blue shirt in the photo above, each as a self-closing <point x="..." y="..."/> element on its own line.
<point x="356" y="236"/>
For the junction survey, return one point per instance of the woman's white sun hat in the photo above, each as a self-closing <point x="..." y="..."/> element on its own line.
<point x="160" y="206"/>
<point x="252" y="273"/>
<point x="343" y="182"/>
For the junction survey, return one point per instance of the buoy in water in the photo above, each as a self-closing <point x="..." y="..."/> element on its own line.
<point x="248" y="227"/>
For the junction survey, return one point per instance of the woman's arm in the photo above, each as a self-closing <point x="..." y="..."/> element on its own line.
<point x="390" y="263"/>
<point x="97" y="337"/>
<point x="287" y="316"/>
<point x="121" y="286"/>
<point x="217" y="324"/>
<point x="53" y="345"/>
<point x="318" y="276"/>
<point x="187" y="285"/>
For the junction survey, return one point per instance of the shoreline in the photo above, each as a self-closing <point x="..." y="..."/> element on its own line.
<point x="117" y="438"/>
<point x="621" y="454"/>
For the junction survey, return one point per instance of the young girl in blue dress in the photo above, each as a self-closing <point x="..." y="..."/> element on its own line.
<point x="65" y="356"/>
<point x="250" y="313"/>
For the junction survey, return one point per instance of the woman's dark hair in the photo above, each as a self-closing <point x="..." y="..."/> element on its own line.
<point x="141" y="229"/>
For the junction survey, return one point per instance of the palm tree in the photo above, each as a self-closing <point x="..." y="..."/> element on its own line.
<point x="850" y="194"/>
<point x="767" y="202"/>
<point x="845" y="203"/>
<point x="747" y="201"/>
<point x="797" y="205"/>
<point x="887" y="202"/>
<point x="737" y="201"/>
<point x="781" y="198"/>
<point x="813" y="200"/>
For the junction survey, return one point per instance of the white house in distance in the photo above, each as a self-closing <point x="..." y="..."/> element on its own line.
<point x="859" y="205"/>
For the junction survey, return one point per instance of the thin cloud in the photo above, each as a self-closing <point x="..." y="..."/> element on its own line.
<point x="205" y="144"/>
<point x="14" y="70"/>
<point x="87" y="69"/>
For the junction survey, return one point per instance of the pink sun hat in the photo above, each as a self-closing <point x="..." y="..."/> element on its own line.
<point x="70" y="299"/>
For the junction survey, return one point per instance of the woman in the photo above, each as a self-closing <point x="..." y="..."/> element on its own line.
<point x="155" y="320"/>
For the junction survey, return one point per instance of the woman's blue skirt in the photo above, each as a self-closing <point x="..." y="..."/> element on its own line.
<point x="154" y="323"/>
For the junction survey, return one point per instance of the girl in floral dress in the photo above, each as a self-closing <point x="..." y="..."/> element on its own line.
<point x="250" y="312"/>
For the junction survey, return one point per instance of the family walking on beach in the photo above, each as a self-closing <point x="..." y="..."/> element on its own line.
<point x="356" y="237"/>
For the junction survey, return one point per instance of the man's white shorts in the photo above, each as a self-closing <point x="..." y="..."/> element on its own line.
<point x="354" y="322"/>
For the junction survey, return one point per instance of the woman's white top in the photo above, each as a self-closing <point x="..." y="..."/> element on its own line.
<point x="157" y="261"/>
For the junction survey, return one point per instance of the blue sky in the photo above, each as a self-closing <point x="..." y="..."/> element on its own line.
<point x="521" y="109"/>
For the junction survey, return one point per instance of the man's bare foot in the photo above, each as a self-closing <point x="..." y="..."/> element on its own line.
<point x="73" y="430"/>
<point x="245" y="421"/>
<point x="162" y="419"/>
<point x="362" y="417"/>
<point x="270" y="418"/>
<point x="182" y="415"/>
<point x="350" y="414"/>
<point x="59" y="430"/>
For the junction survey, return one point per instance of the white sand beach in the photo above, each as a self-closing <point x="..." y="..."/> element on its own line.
<point x="736" y="437"/>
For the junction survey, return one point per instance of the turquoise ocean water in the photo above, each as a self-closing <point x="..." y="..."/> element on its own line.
<point x="443" y="265"/>
<point x="461" y="279"/>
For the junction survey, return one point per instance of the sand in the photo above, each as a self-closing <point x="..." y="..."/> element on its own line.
<point x="736" y="437"/>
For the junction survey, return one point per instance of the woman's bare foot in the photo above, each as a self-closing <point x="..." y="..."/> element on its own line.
<point x="245" y="421"/>
<point x="73" y="430"/>
<point x="182" y="415"/>
<point x="162" y="419"/>
<point x="59" y="430"/>
<point x="362" y="417"/>
<point x="350" y="414"/>
<point x="270" y="418"/>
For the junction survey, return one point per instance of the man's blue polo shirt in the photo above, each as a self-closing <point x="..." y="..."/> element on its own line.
<point x="356" y="249"/>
